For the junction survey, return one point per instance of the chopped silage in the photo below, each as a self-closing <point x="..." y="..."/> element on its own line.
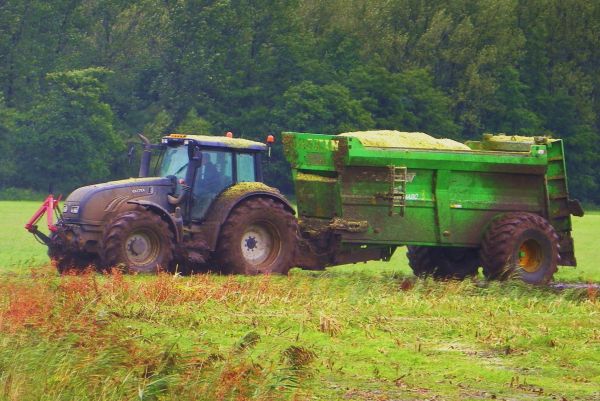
<point x="397" y="139"/>
<point x="315" y="178"/>
<point x="509" y="138"/>
<point x="242" y="188"/>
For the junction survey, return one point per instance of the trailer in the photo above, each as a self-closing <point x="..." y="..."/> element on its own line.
<point x="501" y="203"/>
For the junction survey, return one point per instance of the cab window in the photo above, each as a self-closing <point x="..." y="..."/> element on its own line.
<point x="174" y="162"/>
<point x="245" y="167"/>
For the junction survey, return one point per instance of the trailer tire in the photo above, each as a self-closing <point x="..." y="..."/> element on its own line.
<point x="139" y="241"/>
<point x="443" y="262"/>
<point x="258" y="237"/>
<point x="520" y="245"/>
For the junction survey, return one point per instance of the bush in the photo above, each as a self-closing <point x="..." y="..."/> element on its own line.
<point x="12" y="193"/>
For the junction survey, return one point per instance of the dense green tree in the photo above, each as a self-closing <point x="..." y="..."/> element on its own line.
<point x="408" y="100"/>
<point x="325" y="109"/>
<point x="509" y="107"/>
<point x="8" y="170"/>
<point x="453" y="68"/>
<point x="194" y="124"/>
<point x="159" y="126"/>
<point x="68" y="138"/>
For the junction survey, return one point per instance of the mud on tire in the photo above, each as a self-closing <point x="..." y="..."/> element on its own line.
<point x="139" y="241"/>
<point x="443" y="262"/>
<point x="522" y="245"/>
<point x="67" y="260"/>
<point x="71" y="262"/>
<point x="258" y="237"/>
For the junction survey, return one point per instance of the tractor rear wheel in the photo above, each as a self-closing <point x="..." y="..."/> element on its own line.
<point x="443" y="262"/>
<point x="139" y="241"/>
<point x="258" y="237"/>
<point x="522" y="245"/>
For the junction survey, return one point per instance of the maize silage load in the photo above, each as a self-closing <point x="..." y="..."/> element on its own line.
<point x="397" y="139"/>
<point x="509" y="138"/>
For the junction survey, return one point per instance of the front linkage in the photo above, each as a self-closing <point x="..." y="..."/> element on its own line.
<point x="50" y="209"/>
<point x="56" y="241"/>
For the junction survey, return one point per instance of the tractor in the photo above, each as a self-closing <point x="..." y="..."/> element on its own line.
<point x="205" y="206"/>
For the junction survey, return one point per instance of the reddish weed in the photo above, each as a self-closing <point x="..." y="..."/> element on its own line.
<point x="237" y="380"/>
<point x="162" y="289"/>
<point x="27" y="306"/>
<point x="592" y="292"/>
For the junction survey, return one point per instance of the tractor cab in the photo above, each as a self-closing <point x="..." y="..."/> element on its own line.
<point x="206" y="165"/>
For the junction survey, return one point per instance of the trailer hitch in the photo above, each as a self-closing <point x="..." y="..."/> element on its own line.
<point x="50" y="209"/>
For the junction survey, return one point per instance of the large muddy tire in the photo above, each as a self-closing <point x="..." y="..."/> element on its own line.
<point x="138" y="241"/>
<point x="521" y="245"/>
<point x="258" y="237"/>
<point x="443" y="262"/>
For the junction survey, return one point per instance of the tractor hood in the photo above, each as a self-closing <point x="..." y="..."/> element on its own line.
<point x="96" y="204"/>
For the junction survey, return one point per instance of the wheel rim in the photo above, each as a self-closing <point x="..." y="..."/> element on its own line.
<point x="260" y="244"/>
<point x="530" y="256"/>
<point x="142" y="247"/>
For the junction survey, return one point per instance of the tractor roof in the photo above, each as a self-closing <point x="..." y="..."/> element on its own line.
<point x="216" y="141"/>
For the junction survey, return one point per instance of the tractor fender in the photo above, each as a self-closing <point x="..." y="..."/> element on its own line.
<point x="176" y="224"/>
<point x="222" y="206"/>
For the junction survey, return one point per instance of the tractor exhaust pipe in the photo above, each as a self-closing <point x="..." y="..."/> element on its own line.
<point x="146" y="156"/>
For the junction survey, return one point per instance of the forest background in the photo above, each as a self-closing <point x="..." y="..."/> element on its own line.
<point x="79" y="78"/>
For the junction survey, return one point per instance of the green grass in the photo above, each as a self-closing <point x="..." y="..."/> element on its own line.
<point x="361" y="332"/>
<point x="19" y="249"/>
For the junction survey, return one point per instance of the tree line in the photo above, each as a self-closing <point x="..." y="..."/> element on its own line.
<point x="80" y="77"/>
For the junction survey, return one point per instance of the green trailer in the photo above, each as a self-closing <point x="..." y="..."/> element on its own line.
<point x="501" y="203"/>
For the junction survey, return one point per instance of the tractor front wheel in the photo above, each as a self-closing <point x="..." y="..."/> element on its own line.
<point x="138" y="241"/>
<point x="258" y="237"/>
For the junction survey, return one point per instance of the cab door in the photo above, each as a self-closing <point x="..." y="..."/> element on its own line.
<point x="214" y="174"/>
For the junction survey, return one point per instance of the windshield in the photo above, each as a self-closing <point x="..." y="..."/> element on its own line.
<point x="175" y="162"/>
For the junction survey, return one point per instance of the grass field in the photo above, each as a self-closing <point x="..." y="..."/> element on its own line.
<point x="362" y="332"/>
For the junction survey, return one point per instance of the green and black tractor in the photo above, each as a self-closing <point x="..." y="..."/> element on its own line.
<point x="205" y="206"/>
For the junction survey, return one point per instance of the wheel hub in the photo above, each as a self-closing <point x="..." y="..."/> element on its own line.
<point x="530" y="256"/>
<point x="257" y="244"/>
<point x="138" y="246"/>
<point x="251" y="243"/>
<point x="141" y="248"/>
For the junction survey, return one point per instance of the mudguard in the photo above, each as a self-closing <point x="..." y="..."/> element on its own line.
<point x="221" y="208"/>
<point x="175" y="223"/>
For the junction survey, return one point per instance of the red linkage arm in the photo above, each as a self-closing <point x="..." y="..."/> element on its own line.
<point x="48" y="207"/>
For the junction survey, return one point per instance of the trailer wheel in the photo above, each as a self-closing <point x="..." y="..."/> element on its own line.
<point x="139" y="241"/>
<point x="258" y="237"/>
<point x="522" y="245"/>
<point x="443" y="262"/>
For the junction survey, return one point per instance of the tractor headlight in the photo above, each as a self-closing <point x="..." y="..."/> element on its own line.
<point x="65" y="208"/>
<point x="75" y="209"/>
